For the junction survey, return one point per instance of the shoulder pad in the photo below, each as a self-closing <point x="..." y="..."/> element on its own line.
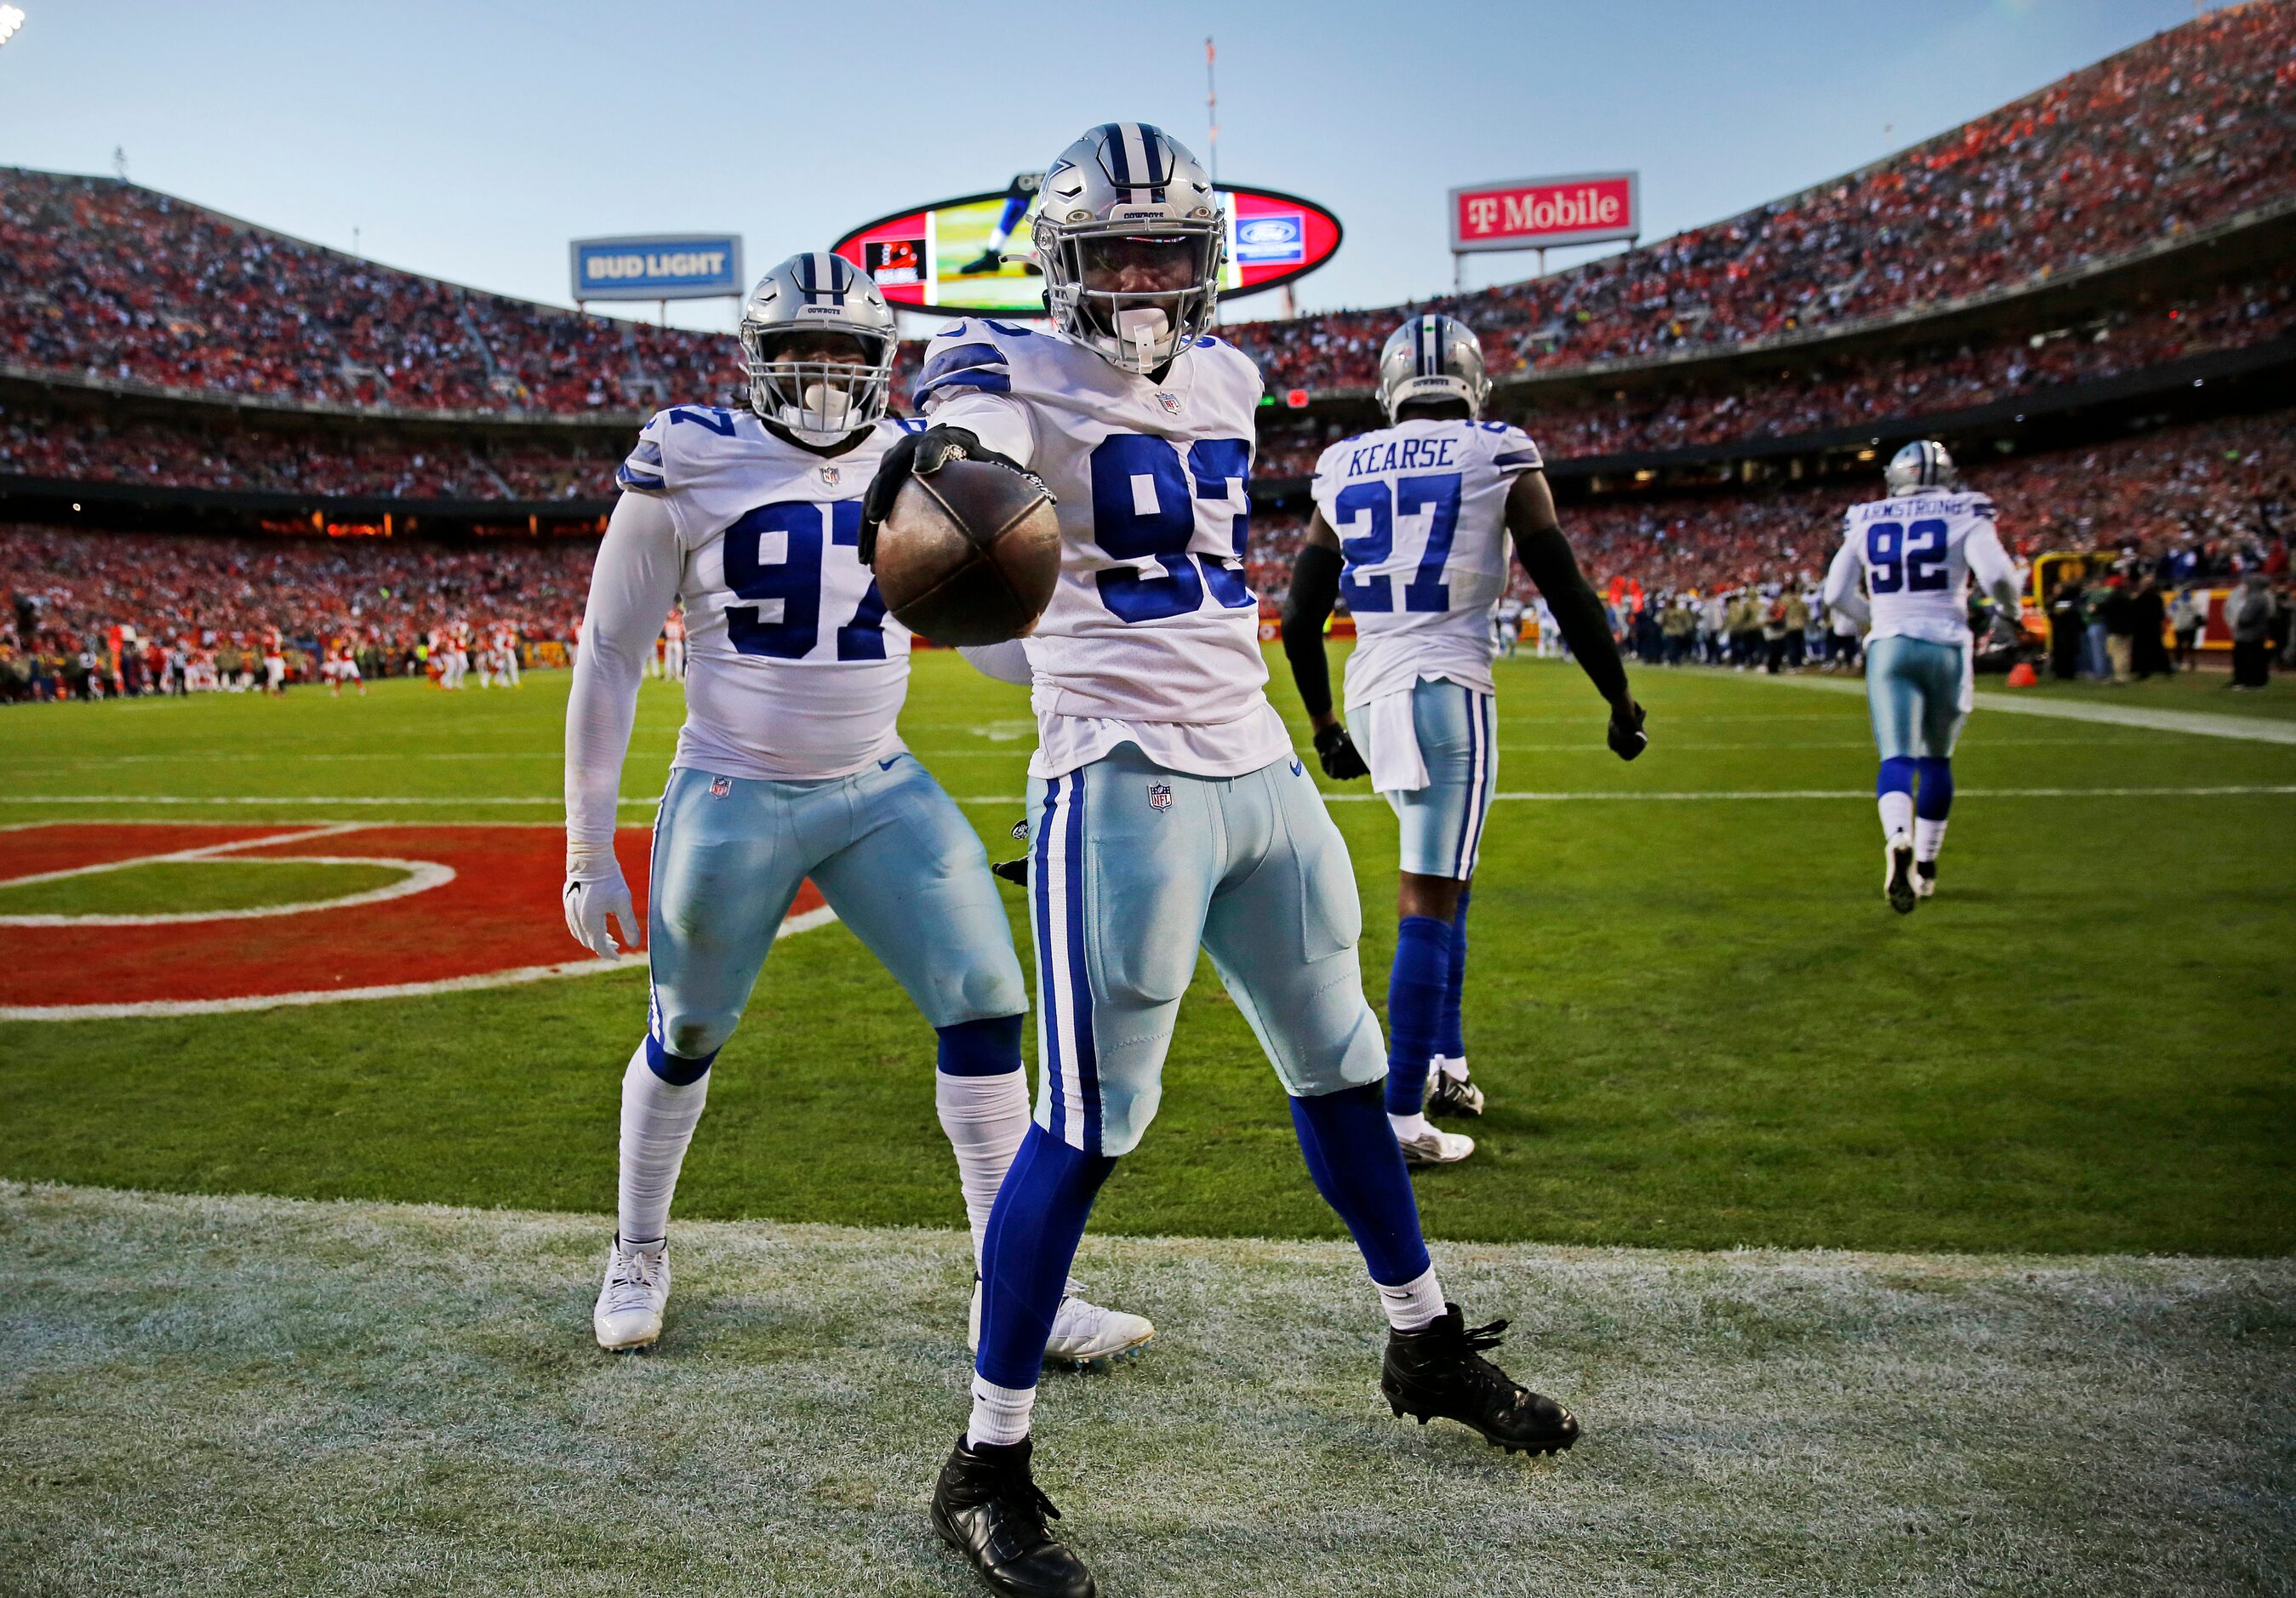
<point x="1511" y="449"/>
<point x="964" y="356"/>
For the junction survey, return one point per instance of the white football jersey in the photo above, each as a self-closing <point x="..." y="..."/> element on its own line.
<point x="793" y="668"/>
<point x="1153" y="634"/>
<point x="1914" y="556"/>
<point x="1421" y="511"/>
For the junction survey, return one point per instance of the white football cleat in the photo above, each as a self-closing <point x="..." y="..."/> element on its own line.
<point x="1924" y="879"/>
<point x="1084" y="1334"/>
<point x="1898" y="873"/>
<point x="630" y="1302"/>
<point x="1434" y="1146"/>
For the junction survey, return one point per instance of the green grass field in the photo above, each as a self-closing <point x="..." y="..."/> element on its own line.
<point x="1697" y="1022"/>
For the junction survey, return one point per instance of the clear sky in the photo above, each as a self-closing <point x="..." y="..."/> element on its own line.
<point x="470" y="139"/>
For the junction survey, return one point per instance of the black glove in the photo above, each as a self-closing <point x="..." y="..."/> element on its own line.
<point x="1337" y="751"/>
<point x="1627" y="738"/>
<point x="920" y="454"/>
<point x="1015" y="871"/>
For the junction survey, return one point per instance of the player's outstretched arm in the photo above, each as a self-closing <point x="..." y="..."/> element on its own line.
<point x="1314" y="590"/>
<point x="631" y="590"/>
<point x="967" y="423"/>
<point x="1577" y="610"/>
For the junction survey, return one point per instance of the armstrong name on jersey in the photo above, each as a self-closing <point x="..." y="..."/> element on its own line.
<point x="1421" y="511"/>
<point x="1915" y="556"/>
<point x="793" y="668"/>
<point x="1153" y="634"/>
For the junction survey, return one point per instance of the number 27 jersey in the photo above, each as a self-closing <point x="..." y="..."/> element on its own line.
<point x="1916" y="552"/>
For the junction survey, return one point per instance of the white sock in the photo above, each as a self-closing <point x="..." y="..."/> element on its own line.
<point x="657" y="1124"/>
<point x="1457" y="1069"/>
<point x="1929" y="838"/>
<point x="1418" y="1302"/>
<point x="1897" y="814"/>
<point x="1000" y="1415"/>
<point x="1408" y="1125"/>
<point x="985" y="1119"/>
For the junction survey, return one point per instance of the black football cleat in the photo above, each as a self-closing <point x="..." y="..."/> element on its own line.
<point x="1439" y="1370"/>
<point x="1898" y="873"/>
<point x="1447" y="1094"/>
<point x="988" y="1508"/>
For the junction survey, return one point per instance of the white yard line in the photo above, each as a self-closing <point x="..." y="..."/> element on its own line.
<point x="2197" y="724"/>
<point x="587" y="966"/>
<point x="204" y="852"/>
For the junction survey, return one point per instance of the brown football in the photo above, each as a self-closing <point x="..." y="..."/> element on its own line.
<point x="970" y="555"/>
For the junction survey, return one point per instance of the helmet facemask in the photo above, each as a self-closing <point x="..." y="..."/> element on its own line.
<point x="1135" y="292"/>
<point x="820" y="383"/>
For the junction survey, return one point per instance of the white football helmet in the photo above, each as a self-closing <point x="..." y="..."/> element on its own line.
<point x="821" y="402"/>
<point x="1431" y="356"/>
<point x="1922" y="465"/>
<point x="1128" y="198"/>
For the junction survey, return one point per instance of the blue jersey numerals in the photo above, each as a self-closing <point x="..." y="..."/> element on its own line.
<point x="1904" y="559"/>
<point x="1143" y="508"/>
<point x="794" y="579"/>
<point x="1374" y="506"/>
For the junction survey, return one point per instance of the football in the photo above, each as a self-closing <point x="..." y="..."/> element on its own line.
<point x="970" y="555"/>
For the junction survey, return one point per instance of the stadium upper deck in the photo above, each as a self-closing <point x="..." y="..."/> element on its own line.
<point x="2184" y="133"/>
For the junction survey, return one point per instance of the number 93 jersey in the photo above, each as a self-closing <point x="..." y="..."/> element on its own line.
<point x="1153" y="634"/>
<point x="1421" y="511"/>
<point x="1915" y="553"/>
<point x="793" y="669"/>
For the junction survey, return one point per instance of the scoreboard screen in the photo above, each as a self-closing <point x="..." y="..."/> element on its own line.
<point x="972" y="254"/>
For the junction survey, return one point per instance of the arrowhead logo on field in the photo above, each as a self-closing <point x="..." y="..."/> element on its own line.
<point x="474" y="906"/>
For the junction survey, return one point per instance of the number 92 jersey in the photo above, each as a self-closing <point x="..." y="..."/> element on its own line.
<point x="793" y="669"/>
<point x="1152" y="624"/>
<point x="1421" y="511"/>
<point x="1915" y="553"/>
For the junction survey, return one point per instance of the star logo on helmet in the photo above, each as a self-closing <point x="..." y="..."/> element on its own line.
<point x="1169" y="401"/>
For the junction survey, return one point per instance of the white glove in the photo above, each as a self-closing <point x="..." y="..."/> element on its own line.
<point x="594" y="891"/>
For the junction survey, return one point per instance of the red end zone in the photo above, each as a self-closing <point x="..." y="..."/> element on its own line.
<point x="496" y="922"/>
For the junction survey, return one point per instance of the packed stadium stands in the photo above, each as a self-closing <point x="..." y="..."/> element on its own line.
<point x="150" y="346"/>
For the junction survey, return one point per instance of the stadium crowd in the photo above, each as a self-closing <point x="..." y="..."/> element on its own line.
<point x="2191" y="126"/>
<point x="2186" y="129"/>
<point x="73" y="596"/>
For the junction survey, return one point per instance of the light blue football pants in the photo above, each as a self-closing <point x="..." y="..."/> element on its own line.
<point x="1134" y="868"/>
<point x="1913" y="690"/>
<point x="1442" y="822"/>
<point x="890" y="851"/>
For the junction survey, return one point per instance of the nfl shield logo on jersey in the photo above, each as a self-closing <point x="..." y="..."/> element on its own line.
<point x="720" y="787"/>
<point x="829" y="475"/>
<point x="1159" y="795"/>
<point x="1169" y="401"/>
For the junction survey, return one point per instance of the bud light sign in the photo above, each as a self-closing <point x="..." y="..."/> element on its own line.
<point x="679" y="266"/>
<point x="1538" y="213"/>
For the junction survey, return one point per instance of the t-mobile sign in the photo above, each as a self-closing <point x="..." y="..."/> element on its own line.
<point x="1538" y="213"/>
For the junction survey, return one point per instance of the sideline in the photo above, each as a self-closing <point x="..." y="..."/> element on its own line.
<point x="2199" y="724"/>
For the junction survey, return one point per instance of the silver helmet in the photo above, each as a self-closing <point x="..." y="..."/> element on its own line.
<point x="1431" y="356"/>
<point x="1922" y="465"/>
<point x="819" y="401"/>
<point x="1128" y="196"/>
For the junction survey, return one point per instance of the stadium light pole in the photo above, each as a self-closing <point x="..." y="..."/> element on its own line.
<point x="1211" y="114"/>
<point x="11" y="18"/>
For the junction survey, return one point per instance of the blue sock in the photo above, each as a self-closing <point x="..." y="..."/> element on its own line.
<point x="1935" y="801"/>
<point x="1031" y="1240"/>
<point x="1450" y="1037"/>
<point x="677" y="1069"/>
<point x="981" y="1048"/>
<point x="1415" y="1007"/>
<point x="1897" y="775"/>
<point x="1352" y="1155"/>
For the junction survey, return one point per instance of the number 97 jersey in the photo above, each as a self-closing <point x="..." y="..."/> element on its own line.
<point x="1916" y="552"/>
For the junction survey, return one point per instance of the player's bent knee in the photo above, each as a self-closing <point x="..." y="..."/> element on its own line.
<point x="675" y="1066"/>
